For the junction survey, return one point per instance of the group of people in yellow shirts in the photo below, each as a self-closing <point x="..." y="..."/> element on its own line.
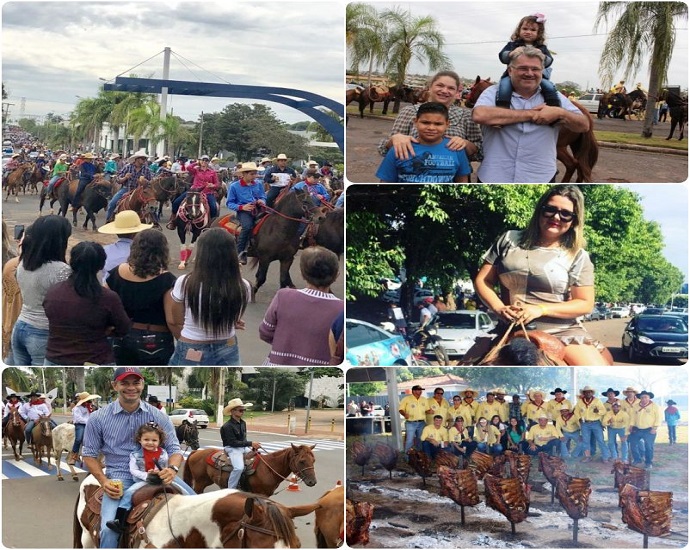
<point x="494" y="425"/>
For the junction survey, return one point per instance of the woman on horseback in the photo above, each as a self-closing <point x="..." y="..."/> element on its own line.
<point x="59" y="171"/>
<point x="205" y="181"/>
<point x="80" y="416"/>
<point x="208" y="304"/>
<point x="547" y="275"/>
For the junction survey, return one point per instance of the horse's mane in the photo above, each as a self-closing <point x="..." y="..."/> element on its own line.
<point x="281" y="525"/>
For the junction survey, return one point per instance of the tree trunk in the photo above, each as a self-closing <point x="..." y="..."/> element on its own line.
<point x="655" y="81"/>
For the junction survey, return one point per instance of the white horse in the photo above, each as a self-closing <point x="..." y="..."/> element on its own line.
<point x="63" y="440"/>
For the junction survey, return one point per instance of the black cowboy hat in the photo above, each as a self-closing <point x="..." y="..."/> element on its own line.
<point x="153" y="399"/>
<point x="34" y="393"/>
<point x="645" y="392"/>
<point x="605" y="393"/>
<point x="557" y="390"/>
<point x="670" y="402"/>
<point x="10" y="396"/>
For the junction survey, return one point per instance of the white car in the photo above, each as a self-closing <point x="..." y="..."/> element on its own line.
<point x="621" y="312"/>
<point x="378" y="410"/>
<point x="178" y="415"/>
<point x="590" y="102"/>
<point x="458" y="329"/>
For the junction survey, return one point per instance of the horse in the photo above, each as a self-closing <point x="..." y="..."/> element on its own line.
<point x="139" y="200"/>
<point x="220" y="519"/>
<point x="96" y="197"/>
<point x="36" y="176"/>
<point x="584" y="146"/>
<point x="678" y="109"/>
<point x="386" y="94"/>
<point x="621" y="104"/>
<point x="42" y="436"/>
<point x="15" y="431"/>
<point x="63" y="440"/>
<point x="166" y="188"/>
<point x="329" y="523"/>
<point x="330" y="233"/>
<point x="15" y="180"/>
<point x="188" y="433"/>
<point x="276" y="236"/>
<point x="271" y="469"/>
<point x="352" y="94"/>
<point x="193" y="216"/>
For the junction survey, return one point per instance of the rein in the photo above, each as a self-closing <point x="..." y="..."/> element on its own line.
<point x="493" y="352"/>
<point x="240" y="531"/>
<point x="285" y="216"/>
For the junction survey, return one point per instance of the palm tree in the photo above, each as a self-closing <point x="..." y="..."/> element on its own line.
<point x="16" y="379"/>
<point x="90" y="114"/>
<point x="123" y="104"/>
<point x="642" y="30"/>
<point x="411" y="38"/>
<point x="365" y="34"/>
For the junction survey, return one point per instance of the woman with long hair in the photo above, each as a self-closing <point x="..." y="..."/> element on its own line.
<point x="545" y="275"/>
<point x="208" y="304"/>
<point x="41" y="265"/>
<point x="82" y="314"/>
<point x="514" y="435"/>
<point x="143" y="284"/>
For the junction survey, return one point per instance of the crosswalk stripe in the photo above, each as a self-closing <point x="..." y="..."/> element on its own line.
<point x="25" y="469"/>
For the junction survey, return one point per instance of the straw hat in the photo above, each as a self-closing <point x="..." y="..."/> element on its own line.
<point x="125" y="222"/>
<point x="531" y="393"/>
<point x="139" y="154"/>
<point x="266" y="159"/>
<point x="475" y="393"/>
<point x="312" y="163"/>
<point x="281" y="156"/>
<point x="248" y="167"/>
<point x="88" y="155"/>
<point x="499" y="391"/>
<point x="630" y="389"/>
<point x="588" y="388"/>
<point x="86" y="396"/>
<point x="234" y="403"/>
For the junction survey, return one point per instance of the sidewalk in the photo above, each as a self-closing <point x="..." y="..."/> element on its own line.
<point x="322" y="424"/>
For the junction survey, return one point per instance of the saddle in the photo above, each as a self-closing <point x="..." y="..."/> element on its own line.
<point x="145" y="503"/>
<point x="485" y="349"/>
<point x="220" y="461"/>
<point x="231" y="224"/>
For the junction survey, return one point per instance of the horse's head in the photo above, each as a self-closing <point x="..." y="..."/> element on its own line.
<point x="193" y="205"/>
<point x="302" y="463"/>
<point x="16" y="418"/>
<point x="267" y="524"/>
<point x="476" y="90"/>
<point x="189" y="432"/>
<point x="46" y="429"/>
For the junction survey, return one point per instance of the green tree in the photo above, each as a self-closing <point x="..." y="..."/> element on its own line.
<point x="365" y="37"/>
<point x="409" y="38"/>
<point x="642" y="31"/>
<point x="367" y="388"/>
<point x="285" y="385"/>
<point x="16" y="378"/>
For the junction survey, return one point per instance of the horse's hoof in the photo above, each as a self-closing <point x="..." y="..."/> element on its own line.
<point x="75" y="477"/>
<point x="60" y="478"/>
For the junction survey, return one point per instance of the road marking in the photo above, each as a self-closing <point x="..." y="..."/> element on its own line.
<point x="271" y="446"/>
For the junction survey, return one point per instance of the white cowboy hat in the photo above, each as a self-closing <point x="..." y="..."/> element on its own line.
<point x="475" y="393"/>
<point x="312" y="163"/>
<point x="115" y="156"/>
<point x="234" y="403"/>
<point x="630" y="389"/>
<point x="86" y="396"/>
<point x="248" y="167"/>
<point x="281" y="156"/>
<point x="125" y="222"/>
<point x="266" y="159"/>
<point x="532" y="393"/>
<point x="140" y="153"/>
<point x="587" y="388"/>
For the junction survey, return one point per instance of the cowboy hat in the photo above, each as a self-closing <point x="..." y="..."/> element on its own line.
<point x="125" y="222"/>
<point x="266" y="159"/>
<point x="86" y="396"/>
<point x="248" y="167"/>
<point x="204" y="157"/>
<point x="214" y="159"/>
<point x="15" y="396"/>
<point x="475" y="393"/>
<point x="115" y="156"/>
<point x="499" y="391"/>
<point x="558" y="390"/>
<point x="531" y="393"/>
<point x="669" y="402"/>
<point x="88" y="155"/>
<point x="542" y="415"/>
<point x="139" y="154"/>
<point x="417" y="387"/>
<point x="153" y="399"/>
<point x="587" y="388"/>
<point x="16" y="155"/>
<point x="34" y="393"/>
<point x="645" y="392"/>
<point x="235" y="403"/>
<point x="605" y="393"/>
<point x="630" y="389"/>
<point x="312" y="163"/>
<point x="281" y="156"/>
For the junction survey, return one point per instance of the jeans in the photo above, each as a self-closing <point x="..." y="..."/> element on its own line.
<point x="589" y="428"/>
<point x="571" y="436"/>
<point x="505" y="92"/>
<point x="430" y="449"/>
<point x="236" y="456"/>
<point x="648" y="437"/>
<point x="29" y="344"/>
<point x="113" y="202"/>
<point x="273" y="193"/>
<point x="412" y="430"/>
<point x="30" y="426"/>
<point x="620" y="432"/>
<point x="141" y="347"/>
<point x="246" y="220"/>
<point x="51" y="184"/>
<point x="495" y="449"/>
<point x="217" y="353"/>
<point x="109" y="506"/>
<point x="126" y="500"/>
<point x="547" y="448"/>
<point x="78" y="436"/>
<point x="671" y="433"/>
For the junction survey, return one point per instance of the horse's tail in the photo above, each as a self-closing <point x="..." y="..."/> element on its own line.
<point x="187" y="476"/>
<point x="586" y="150"/>
<point x="76" y="526"/>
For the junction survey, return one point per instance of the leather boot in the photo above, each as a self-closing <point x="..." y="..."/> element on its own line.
<point x="171" y="221"/>
<point x="119" y="524"/>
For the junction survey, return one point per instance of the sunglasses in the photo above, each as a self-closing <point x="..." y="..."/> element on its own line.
<point x="241" y="410"/>
<point x="549" y="211"/>
<point x="438" y="393"/>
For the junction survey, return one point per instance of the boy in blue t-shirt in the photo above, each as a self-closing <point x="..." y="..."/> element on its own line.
<point x="433" y="162"/>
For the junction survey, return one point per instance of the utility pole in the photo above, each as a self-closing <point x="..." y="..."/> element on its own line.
<point x="201" y="134"/>
<point x="311" y="383"/>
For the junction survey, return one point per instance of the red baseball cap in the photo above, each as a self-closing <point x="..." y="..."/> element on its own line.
<point x="124" y="372"/>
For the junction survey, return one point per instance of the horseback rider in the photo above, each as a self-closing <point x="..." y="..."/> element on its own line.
<point x="110" y="168"/>
<point x="12" y="165"/>
<point x="33" y="411"/>
<point x="619" y="91"/>
<point x="59" y="171"/>
<point x="13" y="402"/>
<point x="80" y="416"/>
<point x="245" y="196"/>
<point x="206" y="182"/>
<point x="317" y="191"/>
<point x="130" y="176"/>
<point x="277" y="177"/>
<point x="87" y="170"/>
<point x="234" y="436"/>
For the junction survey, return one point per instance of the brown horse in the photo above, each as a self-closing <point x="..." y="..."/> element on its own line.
<point x="271" y="470"/>
<point x="42" y="436"/>
<point x="14" y="429"/>
<point x="140" y="200"/>
<point x="584" y="146"/>
<point x="167" y="187"/>
<point x="15" y="180"/>
<point x="331" y="231"/>
<point x="221" y="519"/>
<point x="352" y="94"/>
<point x="37" y="176"/>
<point x="329" y="523"/>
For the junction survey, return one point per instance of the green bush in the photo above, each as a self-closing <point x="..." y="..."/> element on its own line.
<point x="193" y="403"/>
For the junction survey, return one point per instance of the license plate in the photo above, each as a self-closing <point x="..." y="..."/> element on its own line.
<point x="671" y="350"/>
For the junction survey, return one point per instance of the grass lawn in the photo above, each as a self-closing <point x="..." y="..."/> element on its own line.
<point x="657" y="140"/>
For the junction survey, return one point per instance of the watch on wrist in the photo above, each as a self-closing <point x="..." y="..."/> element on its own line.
<point x="174" y="468"/>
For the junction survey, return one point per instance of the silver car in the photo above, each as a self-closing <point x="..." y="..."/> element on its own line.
<point x="590" y="102"/>
<point x="458" y="329"/>
<point x="192" y="415"/>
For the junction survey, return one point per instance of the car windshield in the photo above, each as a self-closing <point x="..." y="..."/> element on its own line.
<point x="359" y="335"/>
<point x="197" y="411"/>
<point x="664" y="324"/>
<point x="457" y="320"/>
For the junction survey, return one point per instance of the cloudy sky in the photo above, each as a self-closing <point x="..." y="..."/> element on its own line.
<point x="476" y="31"/>
<point x="53" y="52"/>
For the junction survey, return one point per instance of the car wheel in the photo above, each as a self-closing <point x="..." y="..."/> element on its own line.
<point x="441" y="355"/>
<point x="632" y="356"/>
<point x="203" y="427"/>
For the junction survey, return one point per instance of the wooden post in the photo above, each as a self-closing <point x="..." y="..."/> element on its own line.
<point x="462" y="515"/>
<point x="575" y="530"/>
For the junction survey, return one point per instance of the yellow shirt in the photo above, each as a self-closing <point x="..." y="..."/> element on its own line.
<point x="505" y="411"/>
<point x="586" y="411"/>
<point x="570" y="425"/>
<point x="628" y="407"/>
<point x="437" y="408"/>
<point x="609" y="404"/>
<point x="541" y="436"/>
<point x="455" y="436"/>
<point x="469" y="411"/>
<point x="620" y="420"/>
<point x="532" y="410"/>
<point x="413" y="407"/>
<point x="487" y="410"/>
<point x="647" y="417"/>
<point x="439" y="434"/>
<point x="454" y="412"/>
<point x="553" y="407"/>
<point x="490" y="437"/>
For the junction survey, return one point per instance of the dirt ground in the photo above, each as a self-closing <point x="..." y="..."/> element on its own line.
<point x="409" y="515"/>
<point x="614" y="166"/>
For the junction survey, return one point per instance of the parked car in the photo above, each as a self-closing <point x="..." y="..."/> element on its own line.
<point x="458" y="329"/>
<point x="620" y="312"/>
<point x="597" y="314"/>
<point x="590" y="102"/>
<point x="655" y="336"/>
<point x="654" y="311"/>
<point x="378" y="410"/>
<point x="420" y="294"/>
<point x="178" y="415"/>
<point x="369" y="345"/>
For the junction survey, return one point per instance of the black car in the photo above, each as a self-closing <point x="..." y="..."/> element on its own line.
<point x="656" y="336"/>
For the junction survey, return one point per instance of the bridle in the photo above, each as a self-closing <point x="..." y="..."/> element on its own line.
<point x="241" y="532"/>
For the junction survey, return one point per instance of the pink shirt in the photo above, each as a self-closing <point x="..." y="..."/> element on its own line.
<point x="204" y="180"/>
